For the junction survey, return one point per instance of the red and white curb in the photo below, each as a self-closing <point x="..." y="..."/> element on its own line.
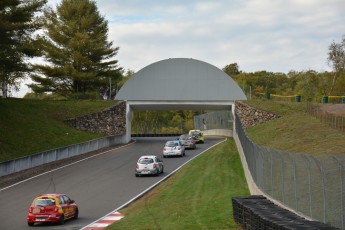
<point x="104" y="221"/>
<point x="115" y="215"/>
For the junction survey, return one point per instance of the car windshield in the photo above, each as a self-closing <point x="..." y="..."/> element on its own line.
<point x="171" y="144"/>
<point x="44" y="202"/>
<point x="196" y="134"/>
<point x="146" y="161"/>
<point x="183" y="137"/>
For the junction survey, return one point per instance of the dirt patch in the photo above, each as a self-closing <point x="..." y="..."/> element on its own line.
<point x="335" y="109"/>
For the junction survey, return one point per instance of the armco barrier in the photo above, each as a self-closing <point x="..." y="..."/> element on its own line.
<point x="218" y="132"/>
<point x="27" y="162"/>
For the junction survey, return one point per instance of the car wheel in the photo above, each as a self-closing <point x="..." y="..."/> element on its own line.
<point x="76" y="214"/>
<point x="136" y="175"/>
<point x="31" y="223"/>
<point x="62" y="220"/>
<point x="164" y="156"/>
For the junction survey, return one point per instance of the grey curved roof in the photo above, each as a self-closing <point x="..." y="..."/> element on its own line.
<point x="180" y="79"/>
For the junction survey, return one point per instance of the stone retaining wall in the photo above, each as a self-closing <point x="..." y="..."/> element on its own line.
<point x="111" y="121"/>
<point x="251" y="116"/>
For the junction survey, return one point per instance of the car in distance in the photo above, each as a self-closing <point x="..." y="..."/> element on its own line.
<point x="198" y="135"/>
<point x="173" y="148"/>
<point x="187" y="141"/>
<point x="52" y="208"/>
<point x="149" y="165"/>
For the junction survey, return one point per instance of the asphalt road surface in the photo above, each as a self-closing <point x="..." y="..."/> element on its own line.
<point x="99" y="185"/>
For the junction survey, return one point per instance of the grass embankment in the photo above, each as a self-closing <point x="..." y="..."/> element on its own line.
<point x="197" y="197"/>
<point x="296" y="131"/>
<point x="31" y="126"/>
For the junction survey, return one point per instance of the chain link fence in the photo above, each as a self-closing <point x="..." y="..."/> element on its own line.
<point x="214" y="120"/>
<point x="312" y="186"/>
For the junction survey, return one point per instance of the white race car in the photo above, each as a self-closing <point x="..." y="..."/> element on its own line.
<point x="173" y="148"/>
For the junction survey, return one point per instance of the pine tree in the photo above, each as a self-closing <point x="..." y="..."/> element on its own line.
<point x="18" y="22"/>
<point x="76" y="50"/>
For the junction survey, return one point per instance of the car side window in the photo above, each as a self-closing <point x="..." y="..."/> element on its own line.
<point x="61" y="200"/>
<point x="67" y="199"/>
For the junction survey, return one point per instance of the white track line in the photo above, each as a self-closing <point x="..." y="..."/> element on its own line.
<point x="97" y="224"/>
<point x="64" y="166"/>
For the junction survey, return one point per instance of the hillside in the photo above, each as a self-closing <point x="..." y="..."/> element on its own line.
<point x="31" y="126"/>
<point x="296" y="131"/>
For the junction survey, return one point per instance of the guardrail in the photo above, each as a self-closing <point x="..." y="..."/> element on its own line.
<point x="37" y="159"/>
<point x="156" y="134"/>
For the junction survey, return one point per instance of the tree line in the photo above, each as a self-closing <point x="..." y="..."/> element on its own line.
<point x="66" y="52"/>
<point x="70" y="44"/>
<point x="309" y="84"/>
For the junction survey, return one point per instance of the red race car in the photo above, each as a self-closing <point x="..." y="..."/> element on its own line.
<point x="52" y="208"/>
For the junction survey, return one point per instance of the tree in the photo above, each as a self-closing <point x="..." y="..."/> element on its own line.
<point x="79" y="57"/>
<point x="232" y="69"/>
<point x="336" y="58"/>
<point x="309" y="86"/>
<point x="18" y="22"/>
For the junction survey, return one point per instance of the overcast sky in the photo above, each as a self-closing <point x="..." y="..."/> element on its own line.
<point x="272" y="35"/>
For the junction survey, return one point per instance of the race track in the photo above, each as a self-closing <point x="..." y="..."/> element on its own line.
<point x="99" y="185"/>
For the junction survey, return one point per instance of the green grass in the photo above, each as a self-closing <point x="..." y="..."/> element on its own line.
<point x="197" y="197"/>
<point x="296" y="131"/>
<point x="31" y="126"/>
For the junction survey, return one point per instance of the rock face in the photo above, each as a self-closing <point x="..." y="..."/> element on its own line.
<point x="111" y="121"/>
<point x="251" y="116"/>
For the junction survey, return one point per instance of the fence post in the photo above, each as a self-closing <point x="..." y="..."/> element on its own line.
<point x="309" y="187"/>
<point x="295" y="182"/>
<point x="271" y="175"/>
<point x="262" y="170"/>
<point x="341" y="191"/>
<point x="282" y="170"/>
<point x="318" y="163"/>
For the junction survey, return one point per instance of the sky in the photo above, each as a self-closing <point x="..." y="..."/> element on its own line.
<point x="271" y="35"/>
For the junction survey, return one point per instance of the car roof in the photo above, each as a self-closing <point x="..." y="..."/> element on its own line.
<point x="49" y="195"/>
<point x="52" y="194"/>
<point x="148" y="156"/>
<point x="173" y="141"/>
